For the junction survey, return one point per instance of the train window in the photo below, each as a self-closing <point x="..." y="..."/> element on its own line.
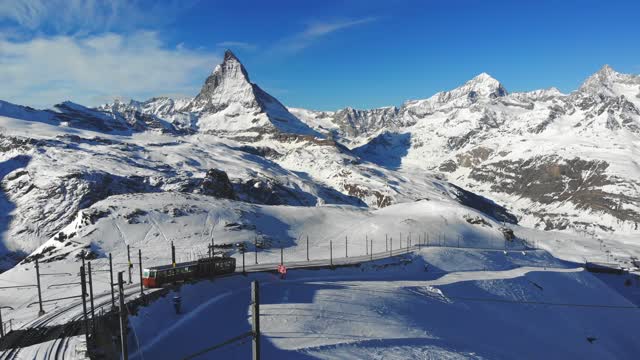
<point x="152" y="274"/>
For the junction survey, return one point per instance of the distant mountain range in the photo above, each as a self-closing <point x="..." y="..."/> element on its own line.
<point x="546" y="159"/>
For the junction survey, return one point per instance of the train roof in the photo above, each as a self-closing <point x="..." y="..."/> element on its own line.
<point x="184" y="264"/>
<point x="170" y="266"/>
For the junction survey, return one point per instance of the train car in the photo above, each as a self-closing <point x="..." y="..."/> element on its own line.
<point x="159" y="276"/>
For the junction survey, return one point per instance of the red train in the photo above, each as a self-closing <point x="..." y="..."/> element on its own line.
<point x="158" y="276"/>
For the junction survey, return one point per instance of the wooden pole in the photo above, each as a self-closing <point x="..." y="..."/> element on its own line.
<point x="140" y="266"/>
<point x="41" y="312"/>
<point x="93" y="312"/>
<point x="255" y="324"/>
<point x="255" y="249"/>
<point x="129" y="261"/>
<point x="83" y="283"/>
<point x="346" y="247"/>
<point x="331" y="252"/>
<point x="371" y="252"/>
<point x="123" y="320"/>
<point x="113" y="296"/>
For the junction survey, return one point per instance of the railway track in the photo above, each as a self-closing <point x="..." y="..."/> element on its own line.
<point x="38" y="329"/>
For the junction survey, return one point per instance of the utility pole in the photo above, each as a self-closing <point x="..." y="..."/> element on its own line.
<point x="255" y="249"/>
<point x="83" y="283"/>
<point x="281" y="255"/>
<point x="140" y="266"/>
<point x="93" y="313"/>
<point x="41" y="312"/>
<point x="255" y="323"/>
<point x="130" y="264"/>
<point x="307" y="247"/>
<point x="173" y="255"/>
<point x="123" y="320"/>
<point x="113" y="296"/>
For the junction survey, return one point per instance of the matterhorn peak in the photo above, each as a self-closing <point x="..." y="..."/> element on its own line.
<point x="228" y="83"/>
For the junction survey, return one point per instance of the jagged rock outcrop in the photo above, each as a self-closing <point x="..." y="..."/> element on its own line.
<point x="216" y="183"/>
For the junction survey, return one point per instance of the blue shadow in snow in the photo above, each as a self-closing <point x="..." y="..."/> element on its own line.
<point x="386" y="149"/>
<point x="6" y="206"/>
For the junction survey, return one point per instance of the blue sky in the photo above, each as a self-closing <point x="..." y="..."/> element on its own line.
<point x="314" y="54"/>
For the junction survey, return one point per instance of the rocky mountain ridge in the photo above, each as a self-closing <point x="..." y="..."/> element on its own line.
<point x="539" y="153"/>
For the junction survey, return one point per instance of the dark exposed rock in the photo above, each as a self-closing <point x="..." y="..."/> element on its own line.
<point x="216" y="183"/>
<point x="484" y="205"/>
<point x="263" y="151"/>
<point x="381" y="200"/>
<point x="507" y="233"/>
<point x="448" y="166"/>
<point x="550" y="179"/>
<point x="476" y="220"/>
<point x="134" y="216"/>
<point x="474" y="156"/>
<point x="458" y="142"/>
<point x="270" y="192"/>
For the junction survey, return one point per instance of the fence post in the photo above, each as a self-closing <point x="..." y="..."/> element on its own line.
<point x="123" y="319"/>
<point x="130" y="265"/>
<point x="41" y="312"/>
<point x="113" y="296"/>
<point x="255" y="324"/>
<point x="140" y="266"/>
<point x="83" y="285"/>
<point x="346" y="247"/>
<point x="93" y="313"/>
<point x="331" y="252"/>
<point x="371" y="252"/>
<point x="173" y="255"/>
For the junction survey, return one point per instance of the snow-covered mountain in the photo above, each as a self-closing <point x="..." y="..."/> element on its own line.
<point x="556" y="161"/>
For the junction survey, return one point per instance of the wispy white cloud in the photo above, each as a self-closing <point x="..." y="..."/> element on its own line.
<point x="43" y="71"/>
<point x="316" y="30"/>
<point x="240" y="45"/>
<point x="63" y="17"/>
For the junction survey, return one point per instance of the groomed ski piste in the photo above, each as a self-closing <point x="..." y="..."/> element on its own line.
<point x="463" y="293"/>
